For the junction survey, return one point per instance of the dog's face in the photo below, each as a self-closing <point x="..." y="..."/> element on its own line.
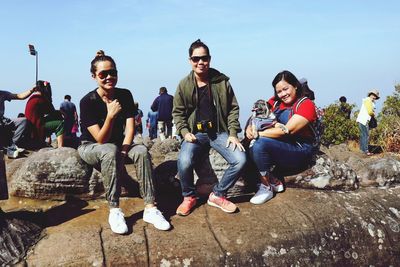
<point x="261" y="108"/>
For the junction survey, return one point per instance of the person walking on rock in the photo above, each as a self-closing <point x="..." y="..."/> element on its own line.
<point x="206" y="115"/>
<point x="367" y="113"/>
<point x="107" y="126"/>
<point x="163" y="105"/>
<point x="70" y="115"/>
<point x="151" y="124"/>
<point x="17" y="128"/>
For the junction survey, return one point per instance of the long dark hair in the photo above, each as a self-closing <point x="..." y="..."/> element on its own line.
<point x="288" y="77"/>
<point x="44" y="88"/>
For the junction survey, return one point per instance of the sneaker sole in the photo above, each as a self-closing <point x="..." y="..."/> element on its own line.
<point x="262" y="202"/>
<point x="159" y="228"/>
<point x="119" y="233"/>
<point x="182" y="214"/>
<point x="278" y="188"/>
<point x="115" y="231"/>
<point x="215" y="205"/>
<point x="187" y="213"/>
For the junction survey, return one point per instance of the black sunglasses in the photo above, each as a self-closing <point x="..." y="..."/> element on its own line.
<point x="197" y="59"/>
<point x="104" y="73"/>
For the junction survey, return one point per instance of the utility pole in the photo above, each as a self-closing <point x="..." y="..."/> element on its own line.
<point x="33" y="52"/>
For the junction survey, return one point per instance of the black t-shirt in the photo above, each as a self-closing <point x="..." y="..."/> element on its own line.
<point x="206" y="108"/>
<point x="94" y="111"/>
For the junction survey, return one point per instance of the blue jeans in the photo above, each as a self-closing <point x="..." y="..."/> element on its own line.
<point x="191" y="152"/>
<point x="268" y="152"/>
<point x="364" y="136"/>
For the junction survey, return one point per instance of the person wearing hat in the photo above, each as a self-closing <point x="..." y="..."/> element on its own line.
<point x="367" y="111"/>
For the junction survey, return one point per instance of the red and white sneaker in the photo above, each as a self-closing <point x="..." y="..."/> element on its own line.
<point x="277" y="186"/>
<point x="186" y="206"/>
<point x="264" y="193"/>
<point x="222" y="203"/>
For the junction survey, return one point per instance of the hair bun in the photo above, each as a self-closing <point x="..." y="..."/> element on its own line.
<point x="100" y="53"/>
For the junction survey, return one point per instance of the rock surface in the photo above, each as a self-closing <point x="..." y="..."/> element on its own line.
<point x="55" y="173"/>
<point x="325" y="174"/>
<point x="17" y="235"/>
<point x="379" y="170"/>
<point x="298" y="227"/>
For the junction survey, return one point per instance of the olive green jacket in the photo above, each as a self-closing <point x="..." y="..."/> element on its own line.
<point x="185" y="104"/>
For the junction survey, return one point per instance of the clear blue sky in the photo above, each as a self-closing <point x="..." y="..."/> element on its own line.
<point x="341" y="47"/>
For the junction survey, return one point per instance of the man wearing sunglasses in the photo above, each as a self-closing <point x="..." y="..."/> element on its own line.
<point x="206" y="115"/>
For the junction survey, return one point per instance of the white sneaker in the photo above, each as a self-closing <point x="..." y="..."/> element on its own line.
<point x="155" y="217"/>
<point x="20" y="149"/>
<point x="12" y="152"/>
<point x="117" y="221"/>
<point x="263" y="194"/>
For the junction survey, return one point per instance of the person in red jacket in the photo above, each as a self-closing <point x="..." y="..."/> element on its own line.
<point x="41" y="113"/>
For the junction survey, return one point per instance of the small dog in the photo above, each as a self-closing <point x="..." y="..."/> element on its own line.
<point x="262" y="118"/>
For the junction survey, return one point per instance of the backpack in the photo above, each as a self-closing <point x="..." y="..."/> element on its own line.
<point x="306" y="89"/>
<point x="317" y="127"/>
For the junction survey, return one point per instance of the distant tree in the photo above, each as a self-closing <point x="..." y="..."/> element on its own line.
<point x="387" y="134"/>
<point x="338" y="128"/>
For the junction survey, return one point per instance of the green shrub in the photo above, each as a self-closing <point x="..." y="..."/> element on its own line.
<point x="338" y="128"/>
<point x="387" y="134"/>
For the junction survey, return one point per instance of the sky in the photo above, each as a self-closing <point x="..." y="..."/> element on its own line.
<point x="342" y="47"/>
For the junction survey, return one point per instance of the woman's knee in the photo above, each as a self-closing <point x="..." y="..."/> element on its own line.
<point x="109" y="150"/>
<point x="264" y="144"/>
<point x="139" y="151"/>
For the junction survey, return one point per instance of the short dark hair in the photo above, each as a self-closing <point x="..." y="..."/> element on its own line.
<point x="68" y="97"/>
<point x="196" y="44"/>
<point x="163" y="90"/>
<point x="291" y="79"/>
<point x="343" y="99"/>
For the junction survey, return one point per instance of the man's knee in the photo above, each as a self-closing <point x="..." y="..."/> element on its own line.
<point x="184" y="162"/>
<point x="241" y="160"/>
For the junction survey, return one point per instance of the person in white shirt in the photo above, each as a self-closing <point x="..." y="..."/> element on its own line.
<point x="367" y="111"/>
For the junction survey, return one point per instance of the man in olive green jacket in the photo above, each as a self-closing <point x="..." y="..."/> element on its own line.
<point x="206" y="114"/>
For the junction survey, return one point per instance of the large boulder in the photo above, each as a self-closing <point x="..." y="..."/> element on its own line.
<point x="50" y="173"/>
<point x="378" y="170"/>
<point x="325" y="174"/>
<point x="55" y="173"/>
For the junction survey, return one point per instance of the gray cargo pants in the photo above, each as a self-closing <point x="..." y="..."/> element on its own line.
<point x="106" y="158"/>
